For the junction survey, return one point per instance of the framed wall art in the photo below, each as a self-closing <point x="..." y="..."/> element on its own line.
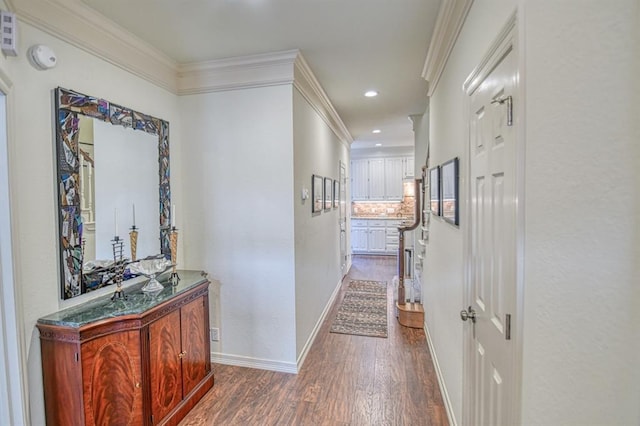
<point x="336" y="193"/>
<point x="328" y="193"/>
<point x="450" y="191"/>
<point x="317" y="197"/>
<point x="434" y="190"/>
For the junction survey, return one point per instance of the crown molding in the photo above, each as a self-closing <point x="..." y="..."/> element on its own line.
<point x="76" y="23"/>
<point x="307" y="84"/>
<point x="451" y="17"/>
<point x="268" y="69"/>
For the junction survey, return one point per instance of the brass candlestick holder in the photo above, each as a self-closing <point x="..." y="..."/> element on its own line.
<point x="133" y="237"/>
<point x="118" y="267"/>
<point x="173" y="238"/>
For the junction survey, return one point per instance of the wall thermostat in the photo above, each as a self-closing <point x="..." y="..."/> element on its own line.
<point x="42" y="57"/>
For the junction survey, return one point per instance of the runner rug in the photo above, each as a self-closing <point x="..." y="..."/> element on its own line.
<point x="363" y="310"/>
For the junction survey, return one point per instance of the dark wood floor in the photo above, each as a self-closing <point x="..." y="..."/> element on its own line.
<point x="345" y="380"/>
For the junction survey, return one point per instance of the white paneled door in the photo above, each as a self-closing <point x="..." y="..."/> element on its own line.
<point x="490" y="363"/>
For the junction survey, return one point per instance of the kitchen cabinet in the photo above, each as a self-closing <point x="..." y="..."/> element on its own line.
<point x="140" y="361"/>
<point x="377" y="240"/>
<point x="392" y="240"/>
<point x="374" y="236"/>
<point x="360" y="180"/>
<point x="409" y="167"/>
<point x="394" y="173"/>
<point x="378" y="179"/>
<point x="359" y="239"/>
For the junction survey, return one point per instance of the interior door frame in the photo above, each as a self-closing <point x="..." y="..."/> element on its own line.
<point x="13" y="383"/>
<point x="342" y="217"/>
<point x="508" y="37"/>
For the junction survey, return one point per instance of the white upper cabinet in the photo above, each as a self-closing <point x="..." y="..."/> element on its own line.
<point x="360" y="180"/>
<point x="394" y="172"/>
<point x="409" y="167"/>
<point x="379" y="179"/>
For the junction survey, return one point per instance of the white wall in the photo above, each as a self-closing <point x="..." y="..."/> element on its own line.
<point x="582" y="323"/>
<point x="443" y="271"/>
<point x="32" y="172"/>
<point x="317" y="150"/>
<point x="238" y="219"/>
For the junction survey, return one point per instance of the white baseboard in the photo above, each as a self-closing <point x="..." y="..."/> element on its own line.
<point x="443" y="387"/>
<point x="280" y="366"/>
<point x="261" y="364"/>
<point x="316" y="328"/>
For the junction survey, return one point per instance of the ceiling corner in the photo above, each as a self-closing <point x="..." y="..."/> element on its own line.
<point x="74" y="22"/>
<point x="309" y="86"/>
<point x="451" y="17"/>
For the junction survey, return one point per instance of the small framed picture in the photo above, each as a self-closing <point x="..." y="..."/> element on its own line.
<point x="317" y="197"/>
<point x="434" y="190"/>
<point x="449" y="192"/>
<point x="336" y="193"/>
<point x="328" y="193"/>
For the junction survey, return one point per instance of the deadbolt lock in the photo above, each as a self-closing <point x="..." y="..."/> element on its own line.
<point x="468" y="314"/>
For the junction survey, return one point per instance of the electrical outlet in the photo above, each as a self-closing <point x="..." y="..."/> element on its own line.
<point x="215" y="334"/>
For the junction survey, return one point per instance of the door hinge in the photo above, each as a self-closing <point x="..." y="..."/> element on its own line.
<point x="509" y="101"/>
<point x="507" y="333"/>
<point x="77" y="357"/>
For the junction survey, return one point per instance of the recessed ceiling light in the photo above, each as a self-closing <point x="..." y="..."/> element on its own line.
<point x="371" y="93"/>
<point x="378" y="144"/>
<point x="376" y="131"/>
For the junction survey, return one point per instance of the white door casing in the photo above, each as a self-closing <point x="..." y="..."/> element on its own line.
<point x="13" y="392"/>
<point x="492" y="364"/>
<point x="342" y="218"/>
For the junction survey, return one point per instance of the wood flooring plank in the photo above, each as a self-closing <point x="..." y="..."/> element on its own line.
<point x="345" y="380"/>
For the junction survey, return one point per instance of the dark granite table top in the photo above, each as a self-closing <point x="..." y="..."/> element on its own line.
<point x="136" y="302"/>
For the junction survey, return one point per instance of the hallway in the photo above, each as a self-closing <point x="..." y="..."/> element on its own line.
<point x="345" y="380"/>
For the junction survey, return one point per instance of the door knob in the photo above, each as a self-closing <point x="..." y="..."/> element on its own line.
<point x="468" y="314"/>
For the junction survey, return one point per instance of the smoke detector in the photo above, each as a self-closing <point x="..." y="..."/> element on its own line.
<point x="42" y="57"/>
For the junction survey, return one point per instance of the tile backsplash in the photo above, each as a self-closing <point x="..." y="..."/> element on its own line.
<point x="403" y="209"/>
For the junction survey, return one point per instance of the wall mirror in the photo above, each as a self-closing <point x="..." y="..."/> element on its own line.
<point x="113" y="174"/>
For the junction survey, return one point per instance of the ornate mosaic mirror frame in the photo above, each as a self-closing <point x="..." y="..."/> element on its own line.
<point x="68" y="105"/>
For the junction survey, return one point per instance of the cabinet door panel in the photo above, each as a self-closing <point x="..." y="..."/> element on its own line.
<point x="377" y="240"/>
<point x="359" y="239"/>
<point x="111" y="374"/>
<point x="409" y="167"/>
<point x="194" y="344"/>
<point x="394" y="172"/>
<point x="376" y="179"/>
<point x="359" y="180"/>
<point x="164" y="360"/>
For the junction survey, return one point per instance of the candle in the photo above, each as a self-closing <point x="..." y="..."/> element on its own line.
<point x="173" y="215"/>
<point x="115" y="219"/>
<point x="134" y="215"/>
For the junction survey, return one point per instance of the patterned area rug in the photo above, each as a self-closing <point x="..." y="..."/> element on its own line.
<point x="363" y="311"/>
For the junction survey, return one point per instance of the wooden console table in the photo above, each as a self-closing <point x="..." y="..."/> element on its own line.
<point x="144" y="360"/>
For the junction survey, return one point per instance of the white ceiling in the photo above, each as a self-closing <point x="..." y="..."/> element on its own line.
<point x="351" y="46"/>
